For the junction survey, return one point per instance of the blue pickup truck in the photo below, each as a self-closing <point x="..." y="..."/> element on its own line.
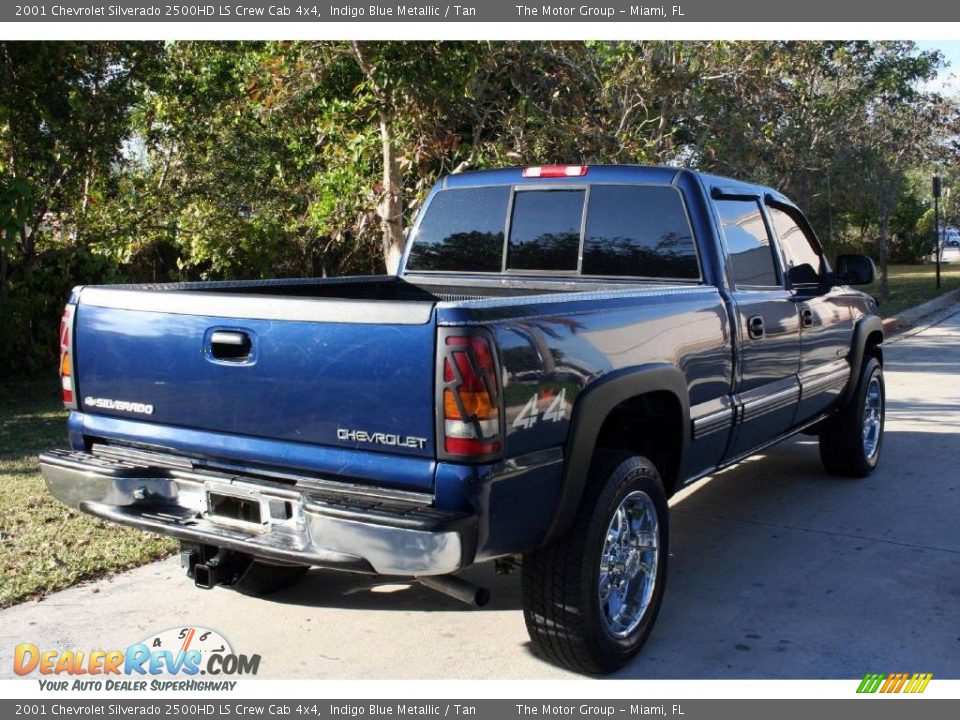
<point x="562" y="349"/>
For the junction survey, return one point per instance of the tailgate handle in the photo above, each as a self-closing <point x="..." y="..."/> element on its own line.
<point x="230" y="346"/>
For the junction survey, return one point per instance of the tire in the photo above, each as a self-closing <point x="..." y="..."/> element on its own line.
<point x="260" y="578"/>
<point x="568" y="622"/>
<point x="846" y="448"/>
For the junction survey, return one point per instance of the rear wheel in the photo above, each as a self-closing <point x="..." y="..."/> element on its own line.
<point x="591" y="598"/>
<point x="850" y="442"/>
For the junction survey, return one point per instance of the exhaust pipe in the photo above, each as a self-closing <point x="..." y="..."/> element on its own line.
<point x="458" y="589"/>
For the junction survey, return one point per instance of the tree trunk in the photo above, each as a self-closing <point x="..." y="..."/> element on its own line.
<point x="882" y="251"/>
<point x="390" y="208"/>
<point x="3" y="274"/>
<point x="391" y="205"/>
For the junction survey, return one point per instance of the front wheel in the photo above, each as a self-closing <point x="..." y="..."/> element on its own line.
<point x="591" y="598"/>
<point x="850" y="441"/>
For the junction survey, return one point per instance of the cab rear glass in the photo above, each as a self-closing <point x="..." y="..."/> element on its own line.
<point x="600" y="230"/>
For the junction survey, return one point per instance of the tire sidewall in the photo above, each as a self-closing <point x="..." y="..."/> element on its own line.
<point x="871" y="370"/>
<point x="633" y="473"/>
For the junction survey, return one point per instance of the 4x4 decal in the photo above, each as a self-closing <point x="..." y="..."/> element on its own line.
<point x="555" y="412"/>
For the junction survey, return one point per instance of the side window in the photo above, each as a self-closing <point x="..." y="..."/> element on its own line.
<point x="639" y="232"/>
<point x="545" y="230"/>
<point x="800" y="252"/>
<point x="748" y="243"/>
<point x="462" y="231"/>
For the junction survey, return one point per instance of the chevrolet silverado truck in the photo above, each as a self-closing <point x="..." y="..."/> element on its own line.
<point x="562" y="348"/>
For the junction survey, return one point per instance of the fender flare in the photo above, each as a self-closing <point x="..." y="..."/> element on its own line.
<point x="863" y="329"/>
<point x="591" y="409"/>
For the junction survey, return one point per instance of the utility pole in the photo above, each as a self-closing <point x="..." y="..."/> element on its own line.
<point x="936" y="222"/>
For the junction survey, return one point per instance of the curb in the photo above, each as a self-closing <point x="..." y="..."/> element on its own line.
<point x="912" y="316"/>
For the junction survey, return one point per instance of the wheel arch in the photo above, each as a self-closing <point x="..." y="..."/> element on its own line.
<point x="618" y="392"/>
<point x="867" y="342"/>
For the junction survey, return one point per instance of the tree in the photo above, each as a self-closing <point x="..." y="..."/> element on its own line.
<point x="64" y="110"/>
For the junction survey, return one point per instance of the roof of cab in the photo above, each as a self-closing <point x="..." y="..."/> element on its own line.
<point x="595" y="173"/>
<point x="645" y="174"/>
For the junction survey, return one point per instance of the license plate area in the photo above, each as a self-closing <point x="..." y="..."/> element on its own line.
<point x="233" y="508"/>
<point x="251" y="508"/>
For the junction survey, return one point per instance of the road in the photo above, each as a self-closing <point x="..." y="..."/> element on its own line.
<point x="777" y="571"/>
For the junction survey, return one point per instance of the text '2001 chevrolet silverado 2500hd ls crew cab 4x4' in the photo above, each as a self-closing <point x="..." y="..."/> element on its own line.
<point x="562" y="349"/>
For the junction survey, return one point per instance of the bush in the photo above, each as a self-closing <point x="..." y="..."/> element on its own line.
<point x="30" y="312"/>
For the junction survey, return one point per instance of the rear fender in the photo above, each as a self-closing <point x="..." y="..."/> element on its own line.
<point x="591" y="409"/>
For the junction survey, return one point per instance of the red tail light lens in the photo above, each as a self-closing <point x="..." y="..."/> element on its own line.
<point x="554" y="171"/>
<point x="470" y="397"/>
<point x="66" y="358"/>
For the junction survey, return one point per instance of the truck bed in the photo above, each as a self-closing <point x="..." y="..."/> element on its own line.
<point x="384" y="287"/>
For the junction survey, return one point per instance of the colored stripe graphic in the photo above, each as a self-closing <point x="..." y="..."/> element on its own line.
<point x="890" y="683"/>
<point x="871" y="682"/>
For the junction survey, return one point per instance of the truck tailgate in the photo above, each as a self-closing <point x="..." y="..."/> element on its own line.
<point x="342" y="373"/>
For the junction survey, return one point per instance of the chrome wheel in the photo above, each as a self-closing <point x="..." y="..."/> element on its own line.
<point x="872" y="418"/>
<point x="628" y="564"/>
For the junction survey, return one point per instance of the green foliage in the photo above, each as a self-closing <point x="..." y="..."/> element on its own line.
<point x="64" y="110"/>
<point x="153" y="162"/>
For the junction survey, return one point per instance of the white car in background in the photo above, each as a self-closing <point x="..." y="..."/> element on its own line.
<point x="950" y="246"/>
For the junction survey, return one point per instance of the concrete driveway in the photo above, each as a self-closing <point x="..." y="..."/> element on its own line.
<point x="778" y="571"/>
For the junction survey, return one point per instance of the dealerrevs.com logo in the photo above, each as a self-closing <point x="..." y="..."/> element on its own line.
<point x="169" y="660"/>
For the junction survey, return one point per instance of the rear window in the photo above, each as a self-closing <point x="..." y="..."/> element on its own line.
<point x="640" y="232"/>
<point x="462" y="231"/>
<point x="748" y="243"/>
<point x="629" y="231"/>
<point x="545" y="231"/>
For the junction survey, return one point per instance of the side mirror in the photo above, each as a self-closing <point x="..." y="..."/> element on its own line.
<point x="854" y="270"/>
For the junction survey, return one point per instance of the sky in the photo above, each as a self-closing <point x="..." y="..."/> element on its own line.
<point x="949" y="81"/>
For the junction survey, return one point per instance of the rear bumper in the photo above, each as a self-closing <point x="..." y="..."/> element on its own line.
<point x="339" y="528"/>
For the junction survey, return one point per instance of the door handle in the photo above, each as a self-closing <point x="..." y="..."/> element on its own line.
<point x="231" y="346"/>
<point x="806" y="317"/>
<point x="755" y="327"/>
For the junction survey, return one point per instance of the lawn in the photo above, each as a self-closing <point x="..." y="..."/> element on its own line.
<point x="46" y="546"/>
<point x="914" y="284"/>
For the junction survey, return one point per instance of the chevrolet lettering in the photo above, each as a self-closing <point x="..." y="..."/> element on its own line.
<point x="562" y="348"/>
<point x="379" y="438"/>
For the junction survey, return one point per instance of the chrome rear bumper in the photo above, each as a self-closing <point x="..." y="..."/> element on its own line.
<point x="358" y="531"/>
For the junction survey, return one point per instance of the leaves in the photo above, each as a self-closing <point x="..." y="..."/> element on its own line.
<point x="203" y="160"/>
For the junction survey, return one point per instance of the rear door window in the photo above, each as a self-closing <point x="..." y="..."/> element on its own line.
<point x="638" y="232"/>
<point x="545" y="230"/>
<point x="748" y="243"/>
<point x="462" y="231"/>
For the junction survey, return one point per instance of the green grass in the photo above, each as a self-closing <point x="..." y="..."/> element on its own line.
<point x="46" y="546"/>
<point x="912" y="285"/>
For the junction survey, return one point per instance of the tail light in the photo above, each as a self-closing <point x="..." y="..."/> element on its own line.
<point x="66" y="358"/>
<point x="554" y="171"/>
<point x="470" y="396"/>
